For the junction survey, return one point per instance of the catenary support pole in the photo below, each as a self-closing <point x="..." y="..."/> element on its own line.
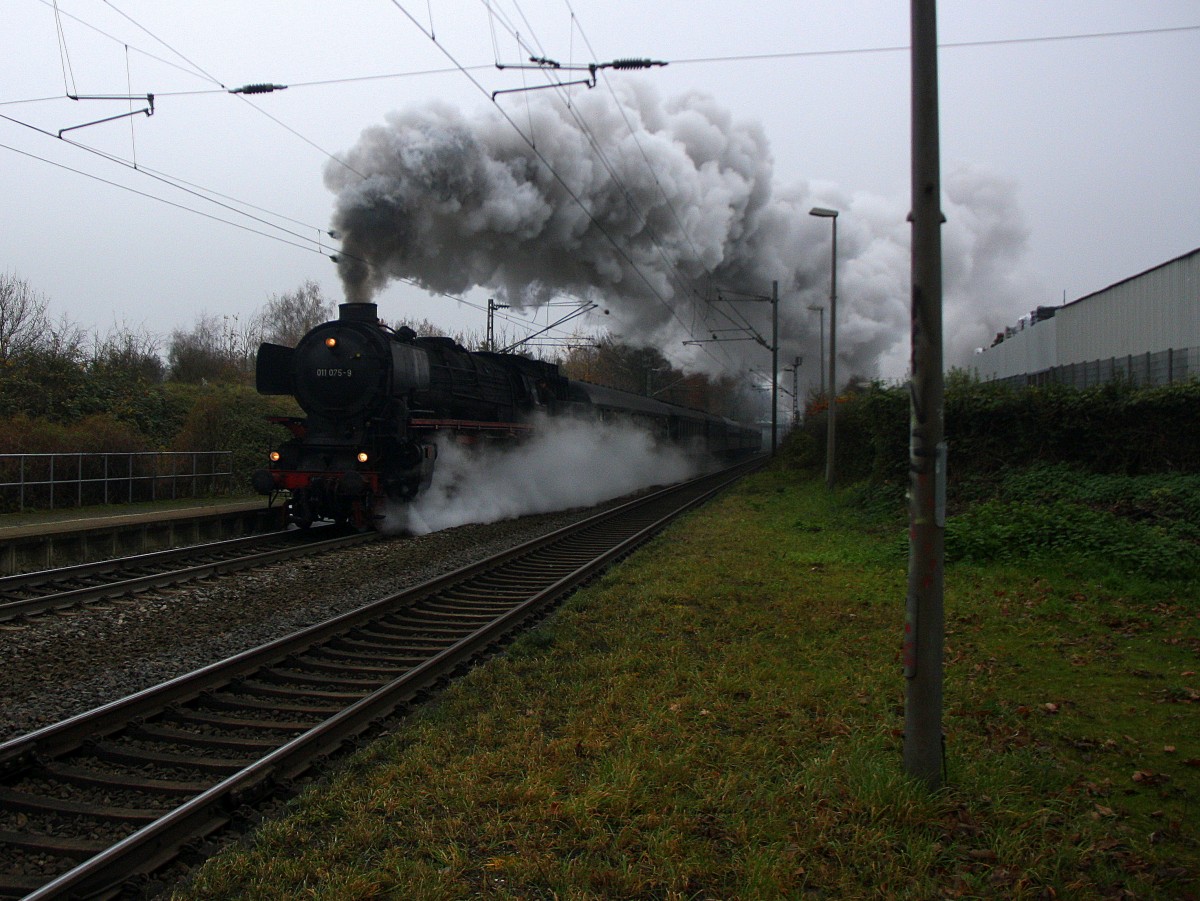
<point x="923" y="620"/>
<point x="774" y="366"/>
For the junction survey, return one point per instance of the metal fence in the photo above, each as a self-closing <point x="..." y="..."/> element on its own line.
<point x="55" y="481"/>
<point x="1163" y="368"/>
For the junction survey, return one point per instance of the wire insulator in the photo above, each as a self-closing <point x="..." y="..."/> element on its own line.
<point x="635" y="63"/>
<point x="258" y="88"/>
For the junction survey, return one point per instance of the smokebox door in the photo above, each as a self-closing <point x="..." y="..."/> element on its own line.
<point x="273" y="369"/>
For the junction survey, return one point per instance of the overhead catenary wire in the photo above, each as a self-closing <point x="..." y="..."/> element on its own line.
<point x="180" y="185"/>
<point x="301" y="240"/>
<point x="154" y="197"/>
<point x="550" y="67"/>
<point x="200" y="72"/>
<point x="183" y="207"/>
<point x="63" y="55"/>
<point x="694" y="319"/>
<point x="942" y="45"/>
<point x="553" y="172"/>
<point x="683" y="281"/>
<point x="155" y="37"/>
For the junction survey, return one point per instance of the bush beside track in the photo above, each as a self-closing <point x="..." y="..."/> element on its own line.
<point x="1114" y="428"/>
<point x="721" y="716"/>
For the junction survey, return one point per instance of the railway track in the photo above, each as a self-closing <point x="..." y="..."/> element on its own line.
<point x="103" y="799"/>
<point x="31" y="594"/>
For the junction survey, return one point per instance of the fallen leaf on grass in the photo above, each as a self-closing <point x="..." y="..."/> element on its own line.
<point x="1145" y="777"/>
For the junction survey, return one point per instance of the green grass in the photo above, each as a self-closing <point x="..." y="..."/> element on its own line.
<point x="721" y="718"/>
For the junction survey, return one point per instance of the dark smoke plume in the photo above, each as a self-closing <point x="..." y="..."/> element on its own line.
<point x="452" y="202"/>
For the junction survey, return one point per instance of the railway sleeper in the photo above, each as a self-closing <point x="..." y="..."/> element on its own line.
<point x="295" y="674"/>
<point x="28" y="802"/>
<point x="239" y="704"/>
<point x="398" y="659"/>
<point x="455" y="614"/>
<point x="196" y="717"/>
<point x="426" y="628"/>
<point x="19" y="886"/>
<point x="259" y="686"/>
<point x="111" y="752"/>
<point x="107" y="781"/>
<point x="484" y="605"/>
<point x="383" y="648"/>
<point x="56" y="846"/>
<point x="400" y="630"/>
<point x="156" y="732"/>
<point x="317" y="666"/>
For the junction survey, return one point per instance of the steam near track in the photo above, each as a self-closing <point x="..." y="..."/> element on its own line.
<point x="453" y="201"/>
<point x="565" y="464"/>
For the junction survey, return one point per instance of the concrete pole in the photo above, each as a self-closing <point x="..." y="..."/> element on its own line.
<point x="923" y="619"/>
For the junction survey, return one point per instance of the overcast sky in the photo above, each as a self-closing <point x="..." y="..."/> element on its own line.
<point x="1069" y="163"/>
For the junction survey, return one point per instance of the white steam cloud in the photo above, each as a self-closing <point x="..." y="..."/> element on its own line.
<point x="565" y="463"/>
<point x="646" y="212"/>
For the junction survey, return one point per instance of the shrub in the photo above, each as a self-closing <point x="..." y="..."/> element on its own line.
<point x="1017" y="531"/>
<point x="233" y="418"/>
<point x="1116" y="428"/>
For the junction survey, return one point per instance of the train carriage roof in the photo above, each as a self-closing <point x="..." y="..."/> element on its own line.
<point x="611" y="398"/>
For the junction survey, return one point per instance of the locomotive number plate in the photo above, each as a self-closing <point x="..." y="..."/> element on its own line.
<point x="335" y="373"/>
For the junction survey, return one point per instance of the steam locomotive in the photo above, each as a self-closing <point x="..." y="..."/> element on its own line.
<point x="377" y="399"/>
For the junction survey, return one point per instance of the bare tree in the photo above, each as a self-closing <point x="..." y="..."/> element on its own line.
<point x="289" y="317"/>
<point x="23" y="321"/>
<point x="216" y="348"/>
<point x="126" y="351"/>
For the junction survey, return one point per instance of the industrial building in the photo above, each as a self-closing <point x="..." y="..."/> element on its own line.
<point x="1145" y="328"/>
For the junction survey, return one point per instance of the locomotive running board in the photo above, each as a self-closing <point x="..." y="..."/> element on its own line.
<point x="470" y="425"/>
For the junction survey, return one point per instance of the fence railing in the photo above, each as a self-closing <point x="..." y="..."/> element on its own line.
<point x="1165" y="367"/>
<point x="55" y="481"/>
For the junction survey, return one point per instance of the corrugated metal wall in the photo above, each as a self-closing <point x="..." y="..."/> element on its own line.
<point x="1147" y="313"/>
<point x="1163" y="368"/>
<point x="1032" y="349"/>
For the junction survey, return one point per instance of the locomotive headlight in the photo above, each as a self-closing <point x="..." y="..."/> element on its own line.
<point x="363" y="457"/>
<point x="331" y="343"/>
<point x="274" y="456"/>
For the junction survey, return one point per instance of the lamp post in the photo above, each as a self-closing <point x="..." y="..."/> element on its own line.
<point x="824" y="213"/>
<point x="817" y="308"/>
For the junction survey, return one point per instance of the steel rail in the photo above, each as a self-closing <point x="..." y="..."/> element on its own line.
<point x="157" y="842"/>
<point x="227" y="561"/>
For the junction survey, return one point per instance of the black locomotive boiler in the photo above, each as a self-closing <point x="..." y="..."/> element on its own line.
<point x="376" y="399"/>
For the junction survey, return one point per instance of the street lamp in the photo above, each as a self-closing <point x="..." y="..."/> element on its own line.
<point x="817" y="308"/>
<point x="824" y="213"/>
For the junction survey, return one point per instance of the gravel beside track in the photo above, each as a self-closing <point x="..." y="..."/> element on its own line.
<point x="60" y="665"/>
